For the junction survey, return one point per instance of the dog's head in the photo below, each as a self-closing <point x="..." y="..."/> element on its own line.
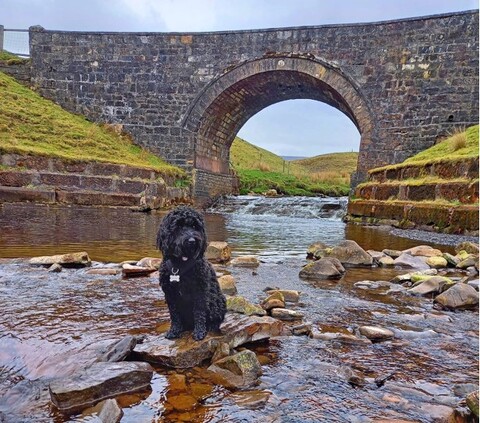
<point x="181" y="236"/>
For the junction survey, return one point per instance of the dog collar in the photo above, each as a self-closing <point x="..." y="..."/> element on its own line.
<point x="174" y="276"/>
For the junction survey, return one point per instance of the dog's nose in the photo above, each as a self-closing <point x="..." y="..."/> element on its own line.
<point x="191" y="240"/>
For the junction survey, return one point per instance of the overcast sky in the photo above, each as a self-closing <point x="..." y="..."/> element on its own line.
<point x="296" y="127"/>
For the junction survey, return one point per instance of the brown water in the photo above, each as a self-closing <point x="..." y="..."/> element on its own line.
<point x="50" y="323"/>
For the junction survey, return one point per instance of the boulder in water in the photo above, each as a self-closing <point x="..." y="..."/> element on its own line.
<point x="349" y="253"/>
<point x="461" y="295"/>
<point x="325" y="268"/>
<point x="80" y="259"/>
<point x="423" y="251"/>
<point x="218" y="252"/>
<point x="407" y="260"/>
<point x="227" y="284"/>
<point x="239" y="304"/>
<point x="245" y="261"/>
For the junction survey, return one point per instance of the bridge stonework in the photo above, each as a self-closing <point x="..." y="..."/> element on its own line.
<point x="405" y="84"/>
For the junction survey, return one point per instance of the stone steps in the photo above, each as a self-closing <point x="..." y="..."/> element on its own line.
<point x="408" y="214"/>
<point x="465" y="192"/>
<point x="49" y="180"/>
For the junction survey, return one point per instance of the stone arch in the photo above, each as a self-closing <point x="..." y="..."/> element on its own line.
<point x="228" y="101"/>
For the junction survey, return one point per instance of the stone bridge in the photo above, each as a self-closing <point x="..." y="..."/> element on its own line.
<point x="405" y="84"/>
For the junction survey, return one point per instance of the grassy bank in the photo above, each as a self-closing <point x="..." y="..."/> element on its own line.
<point x="30" y="124"/>
<point x="260" y="170"/>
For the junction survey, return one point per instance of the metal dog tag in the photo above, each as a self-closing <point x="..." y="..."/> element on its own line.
<point x="175" y="277"/>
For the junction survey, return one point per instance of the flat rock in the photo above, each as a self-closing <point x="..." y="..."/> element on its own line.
<point x="236" y="330"/>
<point x="245" y="261"/>
<point x="392" y="253"/>
<point x="118" y="351"/>
<point x="375" y="333"/>
<point x="407" y="260"/>
<point x="433" y="285"/>
<point x="461" y="295"/>
<point x="109" y="271"/>
<point x="132" y="271"/>
<point x="80" y="259"/>
<point x="285" y="314"/>
<point x="424" y="251"/>
<point x="99" y="382"/>
<point x="325" y="268"/>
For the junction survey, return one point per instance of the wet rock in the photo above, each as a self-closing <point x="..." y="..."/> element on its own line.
<point x="227" y="284"/>
<point x="458" y="296"/>
<point x="437" y="262"/>
<point x="413" y="334"/>
<point x="251" y="400"/>
<point x="349" y="253"/>
<point x="469" y="247"/>
<point x="150" y="262"/>
<point x="371" y="284"/>
<point x="275" y="300"/>
<point x="451" y="260"/>
<point x="423" y="251"/>
<point x="407" y="260"/>
<point x="218" y="252"/>
<point x="473" y="283"/>
<point x="376" y="334"/>
<point x="392" y="253"/>
<point x="236" y="330"/>
<point x="467" y="262"/>
<point x="472" y="402"/>
<point x="325" y="268"/>
<point x="104" y="271"/>
<point x="110" y="412"/>
<point x="118" y="351"/>
<point x="239" y="304"/>
<point x="386" y="261"/>
<point x="351" y="339"/>
<point x="303" y="329"/>
<point x="131" y="271"/>
<point x="245" y="261"/>
<point x="222" y="351"/>
<point x="312" y="249"/>
<point x="428" y="287"/>
<point x="181" y="402"/>
<point x="285" y="314"/>
<point x="99" y="382"/>
<point x="290" y="296"/>
<point x="353" y="377"/>
<point x="238" y="370"/>
<point x="80" y="259"/>
<point x="421" y="277"/>
<point x="55" y="268"/>
<point x="376" y="255"/>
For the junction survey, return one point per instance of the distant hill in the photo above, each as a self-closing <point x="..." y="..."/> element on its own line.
<point x="290" y="158"/>
<point x="260" y="170"/>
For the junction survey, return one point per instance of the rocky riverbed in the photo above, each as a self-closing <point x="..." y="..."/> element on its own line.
<point x="346" y="336"/>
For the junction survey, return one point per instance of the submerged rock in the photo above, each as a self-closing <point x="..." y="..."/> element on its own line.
<point x="461" y="295"/>
<point x="97" y="383"/>
<point x="238" y="370"/>
<point x="325" y="268"/>
<point x="236" y="330"/>
<point x="80" y="259"/>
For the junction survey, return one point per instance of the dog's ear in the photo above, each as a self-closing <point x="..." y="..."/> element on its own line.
<point x="164" y="232"/>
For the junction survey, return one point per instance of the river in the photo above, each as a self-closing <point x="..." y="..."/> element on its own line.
<point x="47" y="319"/>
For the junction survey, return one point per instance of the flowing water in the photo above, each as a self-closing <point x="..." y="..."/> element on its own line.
<point x="51" y="323"/>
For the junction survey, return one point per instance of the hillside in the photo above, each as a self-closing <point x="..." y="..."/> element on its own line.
<point x="30" y="124"/>
<point x="260" y="170"/>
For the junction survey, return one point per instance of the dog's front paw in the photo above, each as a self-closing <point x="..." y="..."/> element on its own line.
<point x="173" y="333"/>
<point x="199" y="334"/>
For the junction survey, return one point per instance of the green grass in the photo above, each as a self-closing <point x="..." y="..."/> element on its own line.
<point x="260" y="170"/>
<point x="10" y="58"/>
<point x="460" y="145"/>
<point x="30" y="124"/>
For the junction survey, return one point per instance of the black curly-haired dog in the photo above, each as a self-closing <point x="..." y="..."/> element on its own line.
<point x="188" y="280"/>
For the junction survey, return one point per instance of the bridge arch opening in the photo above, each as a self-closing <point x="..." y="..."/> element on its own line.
<point x="229" y="101"/>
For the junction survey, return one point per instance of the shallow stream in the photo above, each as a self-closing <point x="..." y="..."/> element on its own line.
<point x="50" y="321"/>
